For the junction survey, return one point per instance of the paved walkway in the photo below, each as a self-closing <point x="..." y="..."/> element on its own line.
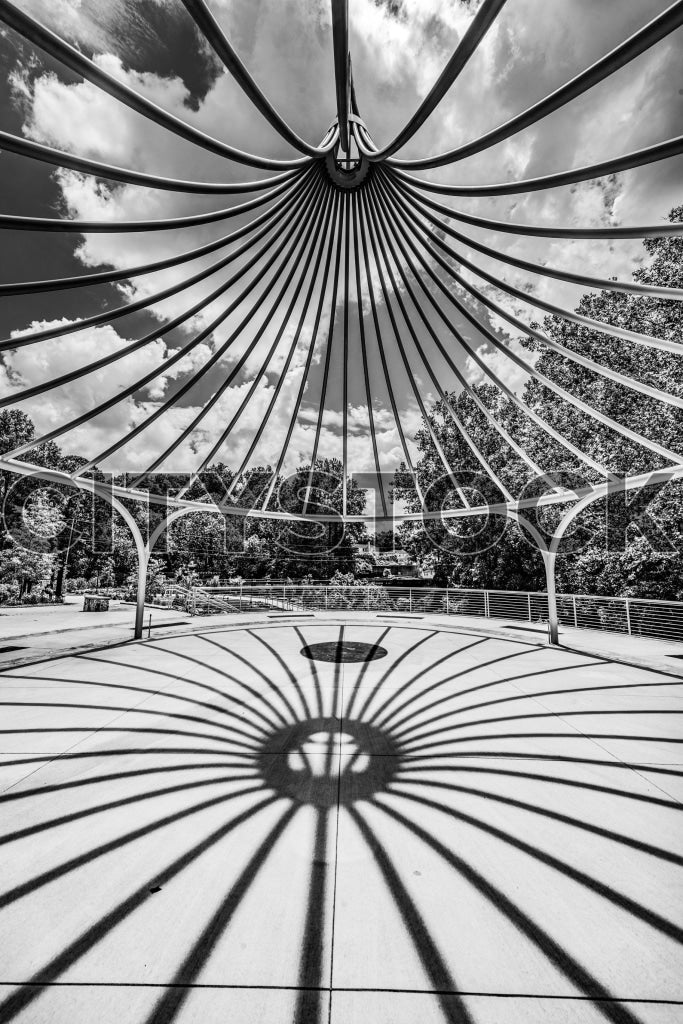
<point x="219" y="826"/>
<point x="40" y="632"/>
<point x="43" y="630"/>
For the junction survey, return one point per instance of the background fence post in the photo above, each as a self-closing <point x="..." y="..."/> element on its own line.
<point x="628" y="617"/>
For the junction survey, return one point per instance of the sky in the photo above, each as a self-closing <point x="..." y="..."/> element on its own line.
<point x="398" y="48"/>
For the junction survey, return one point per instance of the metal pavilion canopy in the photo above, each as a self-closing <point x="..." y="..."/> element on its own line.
<point x="344" y="226"/>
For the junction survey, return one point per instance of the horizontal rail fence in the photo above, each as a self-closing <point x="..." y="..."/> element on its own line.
<point x="661" y="620"/>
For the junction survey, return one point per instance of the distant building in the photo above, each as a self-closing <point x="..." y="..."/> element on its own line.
<point x="387" y="564"/>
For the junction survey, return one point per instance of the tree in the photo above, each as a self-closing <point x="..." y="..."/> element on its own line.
<point x="488" y="554"/>
<point x="624" y="560"/>
<point x="28" y="555"/>
<point x="296" y="548"/>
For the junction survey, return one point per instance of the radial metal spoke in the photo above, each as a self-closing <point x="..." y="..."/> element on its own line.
<point x="477" y="29"/>
<point x="383" y="359"/>
<point x="536" y="230"/>
<point x="177" y="355"/>
<point x="73" y="59"/>
<point x="304" y="232"/>
<point x="657" y="29"/>
<point x="639" y="158"/>
<point x="429" y="368"/>
<point x="112" y="276"/>
<point x="370" y="217"/>
<point x="229" y="379"/>
<point x="364" y="352"/>
<point x="332" y="229"/>
<point x="575" y="356"/>
<point x="212" y="31"/>
<point x="578" y="403"/>
<point x="317" y="248"/>
<point x="566" y="276"/>
<point x="48" y="154"/>
<point x="340" y="46"/>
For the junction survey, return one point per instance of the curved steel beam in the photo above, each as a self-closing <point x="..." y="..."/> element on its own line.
<point x="375" y="238"/>
<point x="323" y="228"/>
<point x="89" y="485"/>
<point x="388" y="240"/>
<point x="178" y="354"/>
<point x="476" y="30"/>
<point x="302" y="235"/>
<point x="614" y="330"/>
<point x="68" y="55"/>
<point x="647" y="155"/>
<point x="83" y="227"/>
<point x="383" y="360"/>
<point x="109" y="315"/>
<point x="657" y="29"/>
<point x="363" y="348"/>
<point x="464" y="383"/>
<point x="543" y="270"/>
<point x="561" y="392"/>
<point x="114" y="500"/>
<point x="57" y="157"/>
<point x="159" y="332"/>
<point x="340" y="46"/>
<point x="539" y="230"/>
<point x="343" y="236"/>
<point x="214" y="34"/>
<point x="333" y="229"/>
<point x="552" y="550"/>
<point x="110" y="276"/>
<point x="345" y="356"/>
<point x="575" y="356"/>
<point x="408" y="229"/>
<point x="315" y="224"/>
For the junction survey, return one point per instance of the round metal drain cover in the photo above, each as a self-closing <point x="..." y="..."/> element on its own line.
<point x="343" y="651"/>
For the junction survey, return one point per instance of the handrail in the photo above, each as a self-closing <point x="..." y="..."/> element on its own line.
<point x="655" y="618"/>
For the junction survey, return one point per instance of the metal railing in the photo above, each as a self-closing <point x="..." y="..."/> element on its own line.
<point x="661" y="620"/>
<point x="194" y="600"/>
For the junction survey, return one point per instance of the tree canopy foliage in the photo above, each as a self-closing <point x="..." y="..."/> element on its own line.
<point x="613" y="553"/>
<point x="90" y="541"/>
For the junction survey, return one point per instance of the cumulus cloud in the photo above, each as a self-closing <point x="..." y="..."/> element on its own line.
<point x="35" y="365"/>
<point x="500" y="365"/>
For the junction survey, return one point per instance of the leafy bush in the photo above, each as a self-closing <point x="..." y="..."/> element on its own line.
<point x="78" y="584"/>
<point x="9" y="593"/>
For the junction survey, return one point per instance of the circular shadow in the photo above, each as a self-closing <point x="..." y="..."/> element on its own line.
<point x="344" y="651"/>
<point x="324" y="762"/>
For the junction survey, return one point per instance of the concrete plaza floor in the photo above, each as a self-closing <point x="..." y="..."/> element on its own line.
<point x="43" y="630"/>
<point x="210" y="825"/>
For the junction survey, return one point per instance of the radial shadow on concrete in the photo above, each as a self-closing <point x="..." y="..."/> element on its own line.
<point x="218" y="826"/>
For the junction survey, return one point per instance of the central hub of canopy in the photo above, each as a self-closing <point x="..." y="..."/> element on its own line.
<point x="348" y="168"/>
<point x="347" y="171"/>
